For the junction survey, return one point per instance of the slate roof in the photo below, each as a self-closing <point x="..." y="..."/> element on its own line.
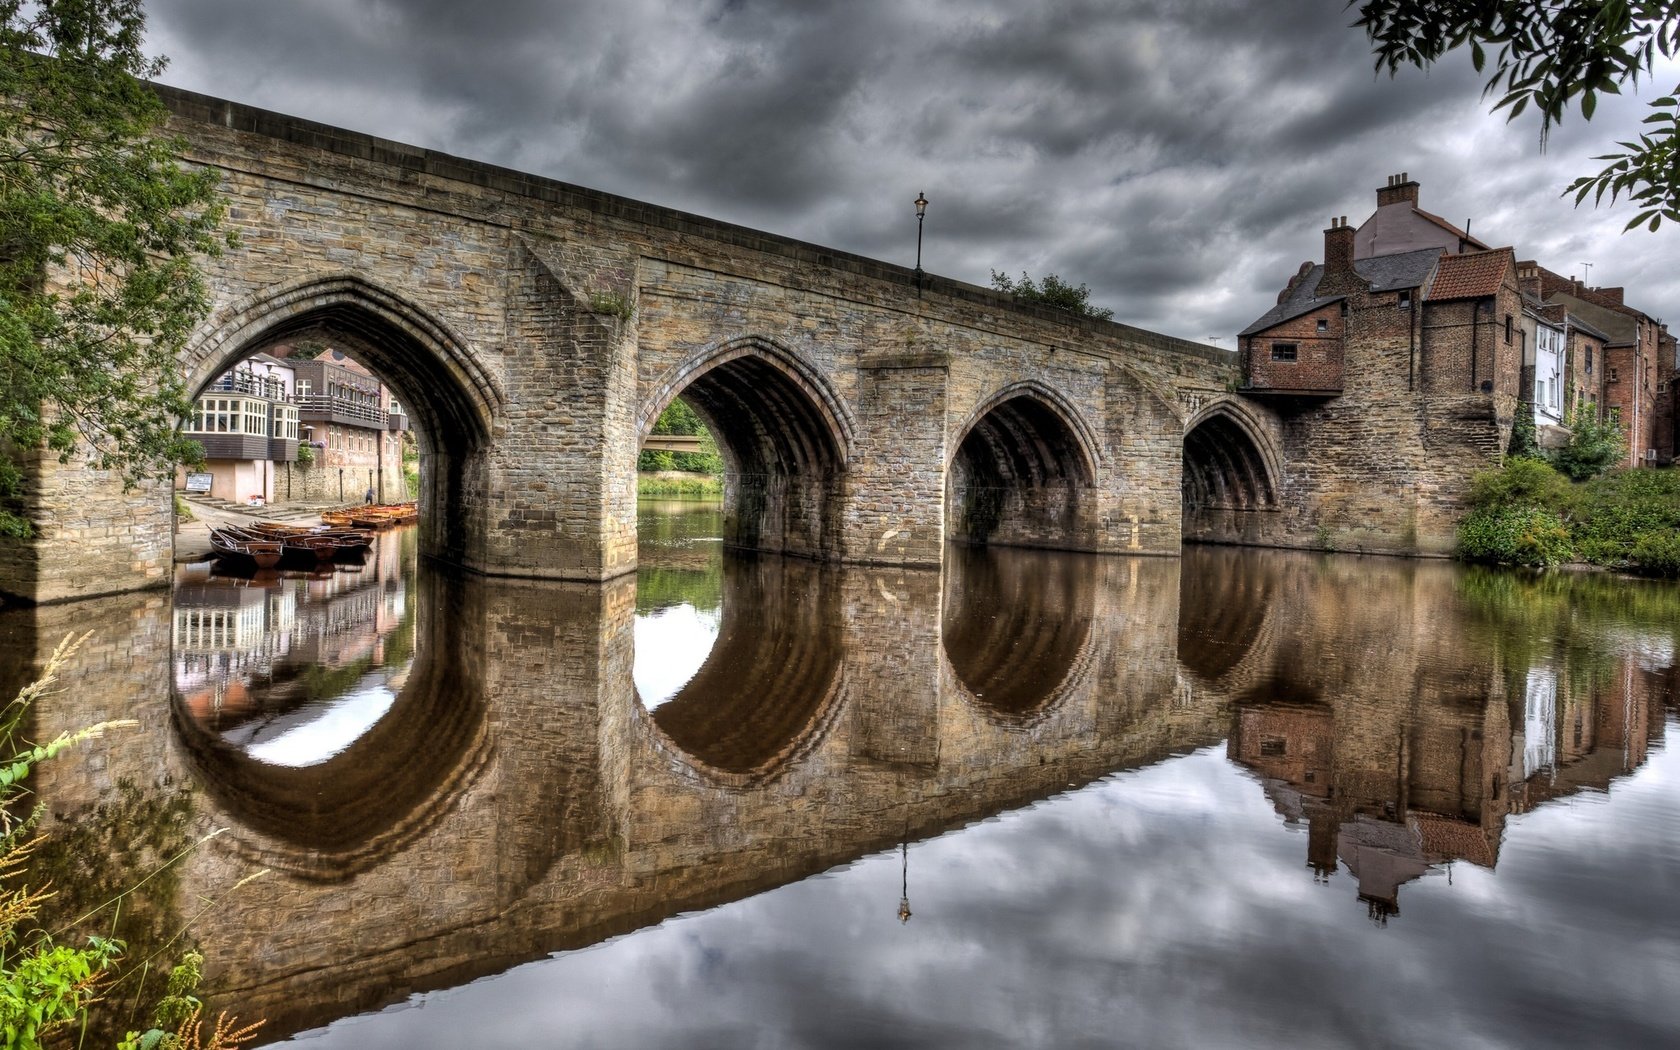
<point x="1613" y="326"/>
<point x="1474" y="275"/>
<point x="1386" y="273"/>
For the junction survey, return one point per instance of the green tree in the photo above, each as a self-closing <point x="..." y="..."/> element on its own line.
<point x="1053" y="292"/>
<point x="100" y="227"/>
<point x="1594" y="446"/>
<point x="1548" y="54"/>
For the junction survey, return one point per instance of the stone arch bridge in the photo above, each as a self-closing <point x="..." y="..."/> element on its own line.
<point x="535" y="330"/>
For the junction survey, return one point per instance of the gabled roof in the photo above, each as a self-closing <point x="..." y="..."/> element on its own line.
<point x="1474" y="275"/>
<point x="1385" y="273"/>
<point x="1462" y="235"/>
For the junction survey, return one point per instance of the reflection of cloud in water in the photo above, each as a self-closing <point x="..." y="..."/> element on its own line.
<point x="1166" y="907"/>
<point x="313" y="734"/>
<point x="671" y="644"/>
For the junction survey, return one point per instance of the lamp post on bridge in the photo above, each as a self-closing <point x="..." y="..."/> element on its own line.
<point x="921" y="213"/>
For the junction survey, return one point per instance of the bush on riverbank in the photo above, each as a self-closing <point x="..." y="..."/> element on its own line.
<point x="1527" y="513"/>
<point x="669" y="486"/>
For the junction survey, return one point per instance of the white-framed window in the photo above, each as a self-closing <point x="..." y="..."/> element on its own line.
<point x="286" y="421"/>
<point x="230" y="415"/>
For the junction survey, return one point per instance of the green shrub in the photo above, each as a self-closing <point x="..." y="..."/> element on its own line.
<point x="1613" y="512"/>
<point x="1522" y="482"/>
<point x="1658" y="553"/>
<point x="1515" y="536"/>
<point x="1594" y="447"/>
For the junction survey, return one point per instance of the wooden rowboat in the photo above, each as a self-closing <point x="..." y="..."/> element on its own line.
<point x="237" y="549"/>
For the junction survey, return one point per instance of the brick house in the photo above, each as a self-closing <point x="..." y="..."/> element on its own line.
<point x="1399" y="225"/>
<point x="1635" y="368"/>
<point x="1397" y="377"/>
<point x="253" y="420"/>
<point x="354" y="425"/>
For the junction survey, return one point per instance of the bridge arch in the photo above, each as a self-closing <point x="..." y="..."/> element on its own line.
<point x="448" y="392"/>
<point x="784" y="436"/>
<point x="423" y="359"/>
<point x="1231" y="480"/>
<point x="1023" y="472"/>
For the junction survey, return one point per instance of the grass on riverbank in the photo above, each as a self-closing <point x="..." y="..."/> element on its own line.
<point x="668" y="485"/>
<point x="1527" y="513"/>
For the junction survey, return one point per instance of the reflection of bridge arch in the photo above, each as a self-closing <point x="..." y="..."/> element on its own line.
<point x="1230" y="471"/>
<point x="1023" y="472"/>
<point x="784" y="436"/>
<point x="770" y="689"/>
<point x="334" y="819"/>
<point x="1227" y="618"/>
<point x="1016" y="629"/>
<point x="450" y="395"/>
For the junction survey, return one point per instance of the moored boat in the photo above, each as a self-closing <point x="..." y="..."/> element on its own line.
<point x="238" y="549"/>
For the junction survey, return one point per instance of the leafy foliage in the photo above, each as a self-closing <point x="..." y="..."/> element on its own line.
<point x="1515" y="536"/>
<point x="1053" y="292"/>
<point x="1617" y="512"/>
<point x="678" y="418"/>
<point x="1628" y="518"/>
<point x="1594" y="446"/>
<point x="1550" y="54"/>
<point x="99" y="230"/>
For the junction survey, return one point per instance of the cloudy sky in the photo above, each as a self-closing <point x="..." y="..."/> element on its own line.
<point x="1181" y="159"/>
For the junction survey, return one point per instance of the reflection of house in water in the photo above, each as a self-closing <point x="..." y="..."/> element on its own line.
<point x="1582" y="731"/>
<point x="240" y="646"/>
<point x="1391" y="788"/>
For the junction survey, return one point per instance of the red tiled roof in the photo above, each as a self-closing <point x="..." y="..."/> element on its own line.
<point x="1476" y="275"/>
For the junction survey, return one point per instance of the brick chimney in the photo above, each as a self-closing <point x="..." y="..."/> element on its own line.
<point x="1339" y="276"/>
<point x="1400" y="190"/>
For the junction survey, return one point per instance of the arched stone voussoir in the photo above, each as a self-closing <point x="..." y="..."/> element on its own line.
<point x="369" y="316"/>
<point x="837" y="420"/>
<point x="1253" y="425"/>
<point x="1088" y="447"/>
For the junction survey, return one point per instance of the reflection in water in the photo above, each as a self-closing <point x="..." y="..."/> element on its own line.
<point x="1015" y="625"/>
<point x="769" y="647"/>
<point x="314" y="718"/>
<point x="678" y="603"/>
<point x="1090" y="762"/>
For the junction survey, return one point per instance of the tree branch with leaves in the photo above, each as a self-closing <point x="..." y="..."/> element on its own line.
<point x="101" y="230"/>
<point x="1549" y="55"/>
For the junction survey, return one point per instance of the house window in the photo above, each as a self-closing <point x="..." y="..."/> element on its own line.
<point x="1273" y="747"/>
<point x="1613" y="377"/>
<point x="1405" y="300"/>
<point x="1283" y="351"/>
<point x="1508" y="328"/>
<point x="1589" y="358"/>
<point x="1323" y="326"/>
<point x="303" y="388"/>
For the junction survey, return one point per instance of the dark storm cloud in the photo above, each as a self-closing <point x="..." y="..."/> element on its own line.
<point x="1180" y="159"/>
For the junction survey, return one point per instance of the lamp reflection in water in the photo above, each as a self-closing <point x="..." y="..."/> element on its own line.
<point x="904" y="883"/>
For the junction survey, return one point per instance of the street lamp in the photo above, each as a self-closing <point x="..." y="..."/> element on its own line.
<point x="921" y="213"/>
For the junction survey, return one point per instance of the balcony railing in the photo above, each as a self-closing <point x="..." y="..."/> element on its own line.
<point x="341" y="410"/>
<point x="249" y="383"/>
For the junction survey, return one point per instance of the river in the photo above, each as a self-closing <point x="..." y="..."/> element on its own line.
<point x="1245" y="797"/>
